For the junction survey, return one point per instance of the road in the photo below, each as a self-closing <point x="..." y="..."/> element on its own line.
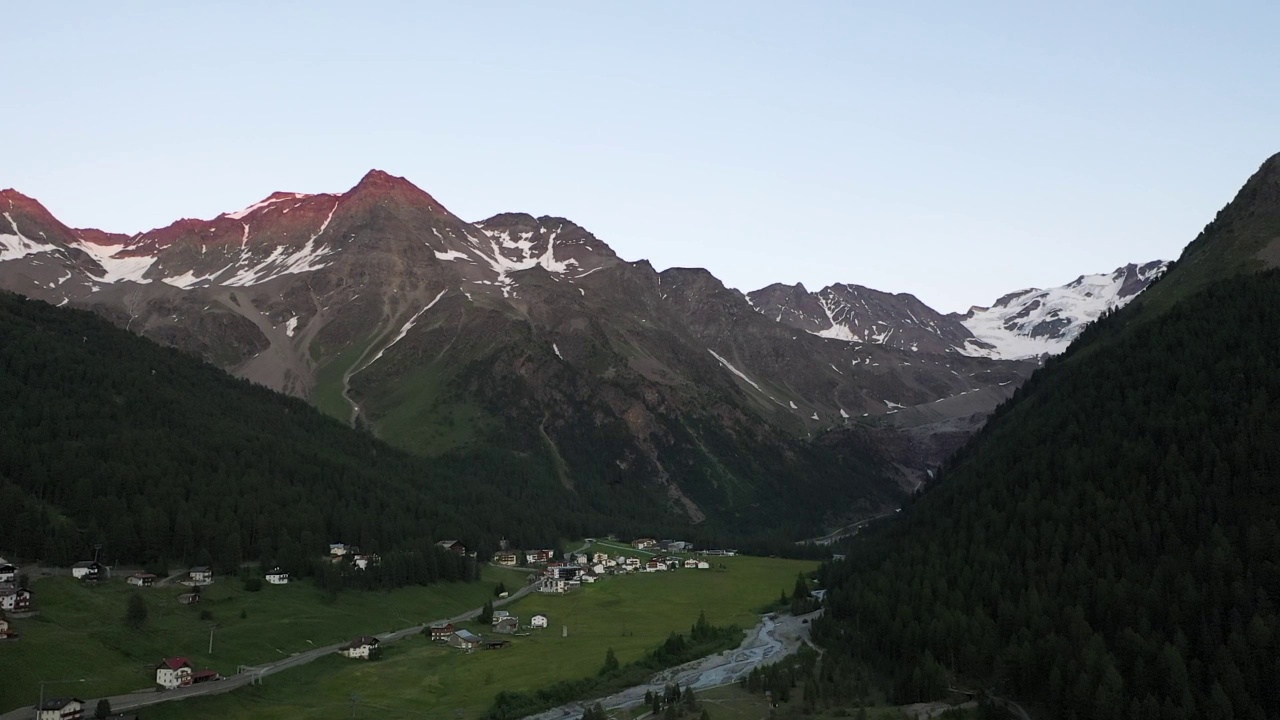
<point x="768" y="642"/>
<point x="845" y="531"/>
<point x="143" y="698"/>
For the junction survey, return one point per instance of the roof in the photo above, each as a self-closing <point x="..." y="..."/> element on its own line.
<point x="468" y="635"/>
<point x="448" y="543"/>
<point x="361" y="642"/>
<point x="446" y="626"/>
<point x="6" y="567"/>
<point x="205" y="673"/>
<point x="84" y="564"/>
<point x="142" y="575"/>
<point x="174" y="663"/>
<point x="57" y="703"/>
<point x="200" y="569"/>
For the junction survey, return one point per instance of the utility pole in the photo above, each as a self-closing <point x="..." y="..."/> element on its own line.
<point x="211" y="629"/>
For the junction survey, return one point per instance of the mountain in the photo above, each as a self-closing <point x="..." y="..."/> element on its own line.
<point x="1037" y="322"/>
<point x="1021" y="325"/>
<point x="1106" y="546"/>
<point x="386" y="311"/>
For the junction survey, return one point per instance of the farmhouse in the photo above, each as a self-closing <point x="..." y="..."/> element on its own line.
<point x="631" y="563"/>
<point x="441" y="633"/>
<point x="87" y="570"/>
<point x="452" y="546"/>
<point x="61" y="708"/>
<point x="507" y="625"/>
<point x="338" y="549"/>
<point x="201" y="574"/>
<point x="500" y="614"/>
<point x="655" y="565"/>
<point x="15" y="599"/>
<point x="361" y="647"/>
<point x="506" y="557"/>
<point x="141" y="579"/>
<point x="5" y="632"/>
<point x="174" y="672"/>
<point x="597" y="558"/>
<point x="189" y="598"/>
<point x="536" y="557"/>
<point x="464" y="640"/>
<point x="277" y="577"/>
<point x="8" y="573"/>
<point x="538" y="621"/>
<point x="691" y="563"/>
<point x="644" y="543"/>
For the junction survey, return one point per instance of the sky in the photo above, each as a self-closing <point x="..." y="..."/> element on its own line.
<point x="956" y="151"/>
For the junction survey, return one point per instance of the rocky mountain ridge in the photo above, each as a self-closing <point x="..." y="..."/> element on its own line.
<point x="386" y="311"/>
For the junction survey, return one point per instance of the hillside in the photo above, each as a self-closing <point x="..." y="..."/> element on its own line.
<point x="1107" y="545"/>
<point x="527" y="336"/>
<point x="106" y="437"/>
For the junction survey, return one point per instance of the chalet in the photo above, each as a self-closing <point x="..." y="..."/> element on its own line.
<point x="189" y="598"/>
<point x="644" y="543"/>
<point x="441" y="633"/>
<point x="537" y="557"/>
<point x="87" y="570"/>
<point x="500" y="614"/>
<point x="362" y="562"/>
<point x="538" y="621"/>
<point x="655" y="565"/>
<point x="589" y="577"/>
<point x="464" y="640"/>
<point x="337" y="549"/>
<point x="452" y="546"/>
<point x="598" y="568"/>
<point x="61" y="708"/>
<point x="360" y="648"/>
<point x="15" y="599"/>
<point x="277" y="577"/>
<point x="704" y="565"/>
<point x="506" y="557"/>
<point x="174" y="672"/>
<point x="553" y="585"/>
<point x="581" y="559"/>
<point x="631" y="563"/>
<point x="8" y="573"/>
<point x="5" y="632"/>
<point x="201" y="676"/>
<point x="598" y="558"/>
<point x="507" y="625"/>
<point x="201" y="575"/>
<point x="496" y="644"/>
<point x="141" y="579"/>
<point x="672" y="563"/>
<point x="691" y="563"/>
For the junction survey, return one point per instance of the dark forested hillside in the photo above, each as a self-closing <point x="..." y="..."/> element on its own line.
<point x="1110" y="543"/>
<point x="108" y="438"/>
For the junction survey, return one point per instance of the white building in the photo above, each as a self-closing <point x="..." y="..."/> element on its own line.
<point x="359" y="648"/>
<point x="538" y="621"/>
<point x="61" y="708"/>
<point x="278" y="577"/>
<point x="8" y="573"/>
<point x="174" y="673"/>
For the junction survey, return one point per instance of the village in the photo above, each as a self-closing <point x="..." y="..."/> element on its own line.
<point x="551" y="572"/>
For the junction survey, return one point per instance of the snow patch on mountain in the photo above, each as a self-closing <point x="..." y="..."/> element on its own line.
<point x="728" y="365"/>
<point x="18" y="245"/>
<point x="1035" y="322"/>
<point x="239" y="214"/>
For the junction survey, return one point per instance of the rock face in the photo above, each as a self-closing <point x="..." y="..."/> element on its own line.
<point x="388" y="312"/>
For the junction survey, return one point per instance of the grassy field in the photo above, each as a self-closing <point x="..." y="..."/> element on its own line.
<point x="80" y="633"/>
<point x="631" y="614"/>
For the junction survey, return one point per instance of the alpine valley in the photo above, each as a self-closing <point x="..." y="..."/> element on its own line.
<point x="780" y="409"/>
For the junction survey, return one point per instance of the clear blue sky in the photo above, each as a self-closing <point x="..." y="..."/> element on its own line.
<point x="955" y="150"/>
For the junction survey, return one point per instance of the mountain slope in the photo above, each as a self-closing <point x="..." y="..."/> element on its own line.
<point x="106" y="437"/>
<point x="1107" y="544"/>
<point x="388" y="312"/>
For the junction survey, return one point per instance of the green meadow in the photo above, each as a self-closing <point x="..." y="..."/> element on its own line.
<point x="416" y="678"/>
<point x="80" y="631"/>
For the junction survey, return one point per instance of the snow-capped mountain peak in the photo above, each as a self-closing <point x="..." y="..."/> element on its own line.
<point x="1034" y="322"/>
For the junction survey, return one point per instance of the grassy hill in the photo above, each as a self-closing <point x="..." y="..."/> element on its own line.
<point x="80" y="631"/>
